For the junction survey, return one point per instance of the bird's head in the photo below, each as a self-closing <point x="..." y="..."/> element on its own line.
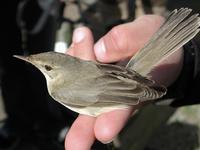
<point x="51" y="64"/>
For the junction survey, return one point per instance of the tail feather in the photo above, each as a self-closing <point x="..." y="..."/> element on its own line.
<point x="176" y="31"/>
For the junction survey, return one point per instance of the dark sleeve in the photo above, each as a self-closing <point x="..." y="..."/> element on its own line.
<point x="186" y="90"/>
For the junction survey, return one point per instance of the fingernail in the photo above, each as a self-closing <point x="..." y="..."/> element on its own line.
<point x="100" y="49"/>
<point x="78" y="35"/>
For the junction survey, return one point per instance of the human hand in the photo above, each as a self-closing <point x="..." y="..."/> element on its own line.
<point x="121" y="42"/>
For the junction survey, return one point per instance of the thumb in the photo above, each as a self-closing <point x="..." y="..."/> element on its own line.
<point x="125" y="40"/>
<point x="82" y="44"/>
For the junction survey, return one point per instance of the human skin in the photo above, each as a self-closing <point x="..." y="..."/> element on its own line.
<point x="122" y="42"/>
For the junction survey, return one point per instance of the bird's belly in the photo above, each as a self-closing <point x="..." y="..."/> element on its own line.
<point x="96" y="110"/>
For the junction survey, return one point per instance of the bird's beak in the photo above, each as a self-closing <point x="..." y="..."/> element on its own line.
<point x="25" y="58"/>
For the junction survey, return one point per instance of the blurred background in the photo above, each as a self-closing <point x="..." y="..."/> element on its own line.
<point x="30" y="119"/>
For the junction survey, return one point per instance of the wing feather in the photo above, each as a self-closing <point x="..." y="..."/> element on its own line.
<point x="126" y="86"/>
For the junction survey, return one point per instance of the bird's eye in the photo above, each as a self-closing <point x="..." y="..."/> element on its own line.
<point x="48" y="68"/>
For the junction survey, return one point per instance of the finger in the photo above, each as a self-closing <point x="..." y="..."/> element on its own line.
<point x="124" y="40"/>
<point x="108" y="125"/>
<point x="81" y="134"/>
<point x="82" y="44"/>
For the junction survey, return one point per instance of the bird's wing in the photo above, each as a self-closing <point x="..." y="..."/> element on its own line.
<point x="76" y="94"/>
<point x="126" y="86"/>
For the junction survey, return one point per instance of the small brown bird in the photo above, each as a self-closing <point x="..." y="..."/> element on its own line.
<point x="93" y="88"/>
